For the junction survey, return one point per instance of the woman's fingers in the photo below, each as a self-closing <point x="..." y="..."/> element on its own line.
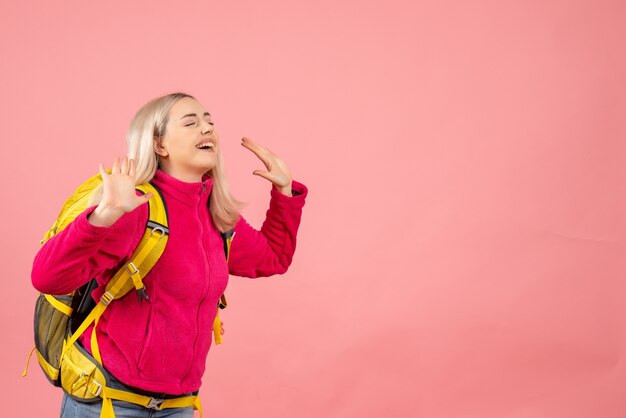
<point x="131" y="171"/>
<point x="263" y="174"/>
<point x="146" y="197"/>
<point x="125" y="165"/>
<point x="121" y="166"/>
<point x="119" y="186"/>
<point x="277" y="171"/>
<point x="258" y="150"/>
<point x="116" y="166"/>
<point x="103" y="172"/>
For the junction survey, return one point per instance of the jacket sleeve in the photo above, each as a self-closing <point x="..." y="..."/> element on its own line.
<point x="268" y="251"/>
<point x="83" y="251"/>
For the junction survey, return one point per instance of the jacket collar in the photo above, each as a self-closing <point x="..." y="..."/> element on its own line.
<point x="188" y="193"/>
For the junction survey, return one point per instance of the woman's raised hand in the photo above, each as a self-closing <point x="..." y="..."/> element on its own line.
<point x="118" y="193"/>
<point x="277" y="171"/>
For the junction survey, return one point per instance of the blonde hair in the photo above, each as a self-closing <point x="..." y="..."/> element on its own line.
<point x="151" y="121"/>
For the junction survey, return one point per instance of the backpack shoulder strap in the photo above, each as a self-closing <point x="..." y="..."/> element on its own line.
<point x="145" y="256"/>
<point x="148" y="251"/>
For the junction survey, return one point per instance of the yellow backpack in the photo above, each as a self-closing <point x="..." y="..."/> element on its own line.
<point x="61" y="319"/>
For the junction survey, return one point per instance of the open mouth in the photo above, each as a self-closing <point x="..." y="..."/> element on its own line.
<point x="206" y="146"/>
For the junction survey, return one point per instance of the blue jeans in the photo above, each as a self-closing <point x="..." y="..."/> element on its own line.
<point x="71" y="408"/>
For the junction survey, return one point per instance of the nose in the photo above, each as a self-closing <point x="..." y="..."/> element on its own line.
<point x="208" y="127"/>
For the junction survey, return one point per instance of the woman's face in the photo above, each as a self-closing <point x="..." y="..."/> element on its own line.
<point x="183" y="150"/>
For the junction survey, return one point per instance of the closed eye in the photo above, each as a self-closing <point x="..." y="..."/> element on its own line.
<point x="193" y="123"/>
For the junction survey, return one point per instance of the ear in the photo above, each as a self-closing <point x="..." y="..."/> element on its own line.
<point x="159" y="148"/>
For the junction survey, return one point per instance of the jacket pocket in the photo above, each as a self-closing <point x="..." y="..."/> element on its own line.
<point x="146" y="341"/>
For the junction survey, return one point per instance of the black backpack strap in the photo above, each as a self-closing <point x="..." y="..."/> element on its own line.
<point x="227" y="237"/>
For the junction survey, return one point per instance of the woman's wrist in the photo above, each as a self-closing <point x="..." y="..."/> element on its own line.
<point x="104" y="216"/>
<point x="286" y="190"/>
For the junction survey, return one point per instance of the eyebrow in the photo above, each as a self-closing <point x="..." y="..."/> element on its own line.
<point x="194" y="114"/>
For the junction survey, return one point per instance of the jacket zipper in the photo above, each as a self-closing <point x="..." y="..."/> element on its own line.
<point x="204" y="250"/>
<point x="207" y="284"/>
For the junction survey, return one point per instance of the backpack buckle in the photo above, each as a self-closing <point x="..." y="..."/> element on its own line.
<point x="96" y="389"/>
<point x="158" y="228"/>
<point x="132" y="268"/>
<point x="155" y="403"/>
<point x="106" y="298"/>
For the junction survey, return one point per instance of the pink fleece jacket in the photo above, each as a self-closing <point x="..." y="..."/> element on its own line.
<point x="161" y="345"/>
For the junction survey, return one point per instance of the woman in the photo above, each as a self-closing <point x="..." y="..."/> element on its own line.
<point x="159" y="348"/>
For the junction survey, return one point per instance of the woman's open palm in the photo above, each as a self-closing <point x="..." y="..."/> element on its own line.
<point x="118" y="188"/>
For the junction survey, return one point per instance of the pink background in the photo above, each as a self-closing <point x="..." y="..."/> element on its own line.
<point x="461" y="252"/>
